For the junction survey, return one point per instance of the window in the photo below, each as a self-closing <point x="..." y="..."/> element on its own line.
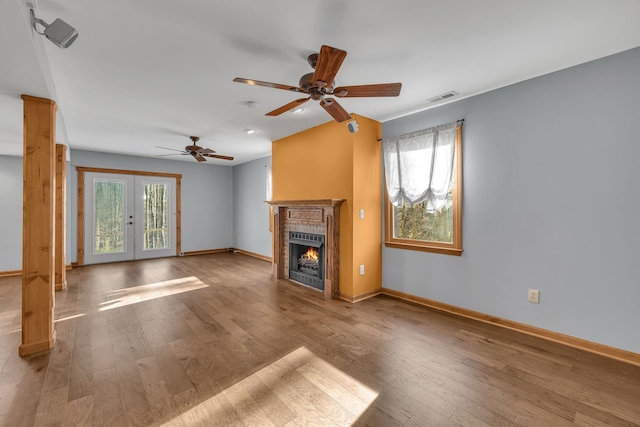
<point x="269" y="193"/>
<point x="423" y="174"/>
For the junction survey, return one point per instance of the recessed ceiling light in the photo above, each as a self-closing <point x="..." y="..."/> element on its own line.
<point x="249" y="131"/>
<point x="297" y="110"/>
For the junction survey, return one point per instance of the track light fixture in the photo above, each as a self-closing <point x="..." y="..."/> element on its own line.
<point x="59" y="32"/>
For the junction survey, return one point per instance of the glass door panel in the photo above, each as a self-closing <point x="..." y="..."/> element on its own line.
<point x="109" y="225"/>
<point x="156" y="216"/>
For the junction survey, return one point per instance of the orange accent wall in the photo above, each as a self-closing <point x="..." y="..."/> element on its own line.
<point x="367" y="195"/>
<point x="327" y="162"/>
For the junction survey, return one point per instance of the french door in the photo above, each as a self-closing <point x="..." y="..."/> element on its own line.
<point x="128" y="217"/>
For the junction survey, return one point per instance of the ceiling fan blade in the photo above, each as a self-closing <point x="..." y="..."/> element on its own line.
<point x="384" y="89"/>
<point x="218" y="156"/>
<point x="172" y="149"/>
<point x="287" y="107"/>
<point x="206" y="151"/>
<point x="337" y="112"/>
<point x="198" y="157"/>
<point x="176" y="154"/>
<point x="267" y="84"/>
<point x="329" y="62"/>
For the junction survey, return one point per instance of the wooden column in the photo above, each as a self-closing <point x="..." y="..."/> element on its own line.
<point x="332" y="276"/>
<point x="38" y="224"/>
<point x="61" y="218"/>
<point x="276" y="263"/>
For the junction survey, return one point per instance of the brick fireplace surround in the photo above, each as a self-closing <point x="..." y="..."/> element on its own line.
<point x="320" y="216"/>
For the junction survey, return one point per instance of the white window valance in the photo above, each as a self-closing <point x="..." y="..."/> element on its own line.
<point x="418" y="166"/>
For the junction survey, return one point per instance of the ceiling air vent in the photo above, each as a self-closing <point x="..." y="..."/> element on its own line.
<point x="443" y="96"/>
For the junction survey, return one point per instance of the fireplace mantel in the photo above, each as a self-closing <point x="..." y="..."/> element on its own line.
<point x="320" y="216"/>
<point x="303" y="203"/>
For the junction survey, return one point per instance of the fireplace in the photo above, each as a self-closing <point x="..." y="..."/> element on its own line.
<point x="306" y="259"/>
<point x="299" y="225"/>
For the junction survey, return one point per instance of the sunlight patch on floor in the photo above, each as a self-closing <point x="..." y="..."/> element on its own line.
<point x="299" y="389"/>
<point x="136" y="294"/>
<point x="75" y="316"/>
<point x="8" y="320"/>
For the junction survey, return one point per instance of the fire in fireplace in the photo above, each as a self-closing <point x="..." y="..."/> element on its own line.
<point x="306" y="259"/>
<point x="308" y="262"/>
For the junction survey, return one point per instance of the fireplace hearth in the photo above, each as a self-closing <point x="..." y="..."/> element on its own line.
<point x="306" y="259"/>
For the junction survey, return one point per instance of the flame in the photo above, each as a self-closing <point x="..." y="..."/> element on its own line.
<point x="311" y="253"/>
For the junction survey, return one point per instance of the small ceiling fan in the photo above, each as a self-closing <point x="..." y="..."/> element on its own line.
<point x="196" y="152"/>
<point x="321" y="83"/>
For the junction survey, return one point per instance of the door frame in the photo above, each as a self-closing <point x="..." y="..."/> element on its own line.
<point x="81" y="189"/>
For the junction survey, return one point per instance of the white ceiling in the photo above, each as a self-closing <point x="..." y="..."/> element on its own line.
<point x="150" y="73"/>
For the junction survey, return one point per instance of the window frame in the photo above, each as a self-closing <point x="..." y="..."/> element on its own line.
<point x="269" y="193"/>
<point x="454" y="248"/>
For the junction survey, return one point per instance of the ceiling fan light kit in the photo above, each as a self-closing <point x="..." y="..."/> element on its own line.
<point x="319" y="84"/>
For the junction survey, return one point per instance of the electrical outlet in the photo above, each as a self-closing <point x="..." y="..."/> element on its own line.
<point x="361" y="213"/>
<point x="533" y="296"/>
<point x="362" y="269"/>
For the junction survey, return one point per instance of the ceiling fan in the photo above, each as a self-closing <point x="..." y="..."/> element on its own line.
<point x="196" y="152"/>
<point x="321" y="83"/>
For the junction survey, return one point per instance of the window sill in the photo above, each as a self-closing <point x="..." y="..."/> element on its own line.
<point x="424" y="248"/>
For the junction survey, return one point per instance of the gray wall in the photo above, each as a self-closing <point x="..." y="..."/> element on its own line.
<point x="550" y="202"/>
<point x="207" y="198"/>
<point x="251" y="213"/>
<point x="10" y="213"/>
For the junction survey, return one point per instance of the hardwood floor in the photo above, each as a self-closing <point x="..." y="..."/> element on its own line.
<point x="214" y="340"/>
